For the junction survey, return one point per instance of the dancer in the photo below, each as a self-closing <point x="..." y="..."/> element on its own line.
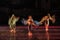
<point x="12" y="23"/>
<point x="46" y="19"/>
<point x="30" y="23"/>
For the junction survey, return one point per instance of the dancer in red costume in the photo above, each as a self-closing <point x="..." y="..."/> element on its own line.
<point x="30" y="23"/>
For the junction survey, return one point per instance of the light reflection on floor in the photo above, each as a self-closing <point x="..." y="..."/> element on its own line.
<point x="47" y="35"/>
<point x="37" y="34"/>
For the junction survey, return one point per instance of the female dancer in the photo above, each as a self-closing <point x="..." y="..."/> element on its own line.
<point x="46" y="19"/>
<point x="30" y="23"/>
<point x="12" y="22"/>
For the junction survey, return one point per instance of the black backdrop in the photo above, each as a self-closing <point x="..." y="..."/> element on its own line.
<point x="23" y="8"/>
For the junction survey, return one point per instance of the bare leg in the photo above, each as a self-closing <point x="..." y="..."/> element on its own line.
<point x="46" y="27"/>
<point x="28" y="28"/>
<point x="11" y="30"/>
<point x="14" y="30"/>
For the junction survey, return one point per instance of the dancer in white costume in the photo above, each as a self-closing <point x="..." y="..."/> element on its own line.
<point x="12" y="23"/>
<point x="46" y="19"/>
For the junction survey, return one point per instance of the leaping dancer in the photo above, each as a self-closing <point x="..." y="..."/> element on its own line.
<point x="12" y="23"/>
<point x="46" y="19"/>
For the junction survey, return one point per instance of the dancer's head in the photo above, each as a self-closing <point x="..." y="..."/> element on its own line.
<point x="30" y="17"/>
<point x="12" y="14"/>
<point x="48" y="14"/>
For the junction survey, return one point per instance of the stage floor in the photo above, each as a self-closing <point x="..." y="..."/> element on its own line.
<point x="37" y="33"/>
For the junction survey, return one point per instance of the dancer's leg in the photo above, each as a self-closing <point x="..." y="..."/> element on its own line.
<point x="46" y="27"/>
<point x="11" y="29"/>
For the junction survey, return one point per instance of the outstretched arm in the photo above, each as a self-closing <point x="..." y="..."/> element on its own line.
<point x="52" y="18"/>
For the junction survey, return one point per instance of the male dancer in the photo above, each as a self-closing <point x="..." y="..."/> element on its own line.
<point x="12" y="22"/>
<point x="46" y="19"/>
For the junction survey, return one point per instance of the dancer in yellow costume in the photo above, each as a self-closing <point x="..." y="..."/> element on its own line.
<point x="12" y="23"/>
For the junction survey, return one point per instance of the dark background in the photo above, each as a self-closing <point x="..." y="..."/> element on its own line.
<point x="23" y="8"/>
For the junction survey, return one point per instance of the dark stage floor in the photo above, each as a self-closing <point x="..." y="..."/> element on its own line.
<point x="38" y="33"/>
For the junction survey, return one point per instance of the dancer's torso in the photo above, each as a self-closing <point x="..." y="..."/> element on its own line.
<point x="46" y="20"/>
<point x="29" y="21"/>
<point x="13" y="21"/>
